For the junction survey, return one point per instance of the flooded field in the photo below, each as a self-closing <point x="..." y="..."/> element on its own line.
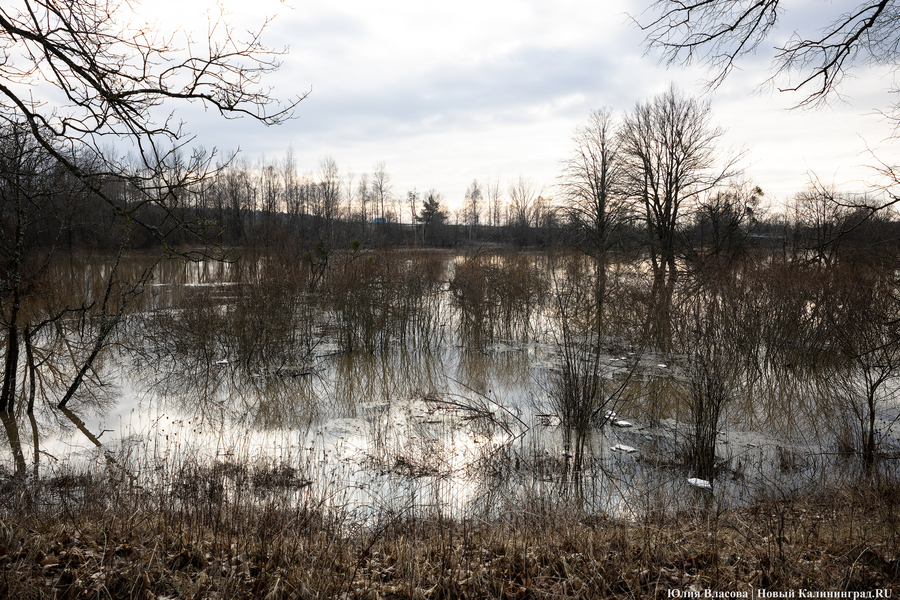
<point x="430" y="383"/>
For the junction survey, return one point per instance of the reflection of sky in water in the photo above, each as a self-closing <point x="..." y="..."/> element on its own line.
<point x="442" y="429"/>
<point x="372" y="437"/>
<point x="372" y="432"/>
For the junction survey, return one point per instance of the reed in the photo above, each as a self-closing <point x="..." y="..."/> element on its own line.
<point x="249" y="532"/>
<point x="498" y="295"/>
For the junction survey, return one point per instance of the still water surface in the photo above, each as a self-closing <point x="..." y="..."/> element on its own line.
<point x="430" y="421"/>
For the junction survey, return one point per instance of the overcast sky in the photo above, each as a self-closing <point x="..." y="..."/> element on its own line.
<point x="445" y="93"/>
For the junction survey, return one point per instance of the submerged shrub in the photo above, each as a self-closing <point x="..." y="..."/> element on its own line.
<point x="384" y="295"/>
<point x="497" y="294"/>
<point x="261" y="317"/>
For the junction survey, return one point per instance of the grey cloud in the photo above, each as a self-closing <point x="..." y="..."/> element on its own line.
<point x="501" y="90"/>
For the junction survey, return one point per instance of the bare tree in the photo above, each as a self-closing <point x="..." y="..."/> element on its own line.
<point x="719" y="32"/>
<point x="842" y="39"/>
<point x="35" y="210"/>
<point x="236" y="192"/>
<point x="308" y="192"/>
<point x="669" y="150"/>
<point x="363" y="196"/>
<point x="493" y="195"/>
<point x="712" y="379"/>
<point x="112" y="77"/>
<point x="861" y="308"/>
<point x="349" y="193"/>
<point x="270" y="196"/>
<point x="723" y="222"/>
<point x="291" y="187"/>
<point x="711" y="333"/>
<point x="826" y="221"/>
<point x="472" y="207"/>
<point x="591" y="181"/>
<point x="523" y="205"/>
<point x="329" y="197"/>
<point x="382" y="190"/>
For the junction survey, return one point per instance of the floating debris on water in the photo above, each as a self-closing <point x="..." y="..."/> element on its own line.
<point x="623" y="448"/>
<point x="700" y="483"/>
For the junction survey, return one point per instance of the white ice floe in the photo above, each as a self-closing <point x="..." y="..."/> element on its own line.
<point x="623" y="448"/>
<point x="700" y="483"/>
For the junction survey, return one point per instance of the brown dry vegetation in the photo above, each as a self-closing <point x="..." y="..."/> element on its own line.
<point x="761" y="343"/>
<point x="497" y="294"/>
<point x="80" y="536"/>
<point x="383" y="295"/>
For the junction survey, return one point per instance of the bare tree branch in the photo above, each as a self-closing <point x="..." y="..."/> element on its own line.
<point x="718" y="33"/>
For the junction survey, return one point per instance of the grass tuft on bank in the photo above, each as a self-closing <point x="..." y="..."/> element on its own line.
<point x="84" y="536"/>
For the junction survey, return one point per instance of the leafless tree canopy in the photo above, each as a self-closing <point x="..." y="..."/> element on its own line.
<point x="523" y="202"/>
<point x="382" y="190"/>
<point x="81" y="82"/>
<point x="591" y="179"/>
<point x="719" y="32"/>
<point x="473" y="203"/>
<point x="83" y="75"/>
<point x="669" y="149"/>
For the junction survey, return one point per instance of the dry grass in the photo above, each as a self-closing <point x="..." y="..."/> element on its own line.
<point x="497" y="295"/>
<point x="236" y="530"/>
<point x="84" y="537"/>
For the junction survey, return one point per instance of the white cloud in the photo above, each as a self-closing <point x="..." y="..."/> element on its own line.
<point x="448" y="92"/>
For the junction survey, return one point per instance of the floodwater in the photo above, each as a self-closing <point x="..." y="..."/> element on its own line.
<point x="427" y="411"/>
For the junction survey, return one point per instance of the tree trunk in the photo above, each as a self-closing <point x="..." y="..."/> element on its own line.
<point x="8" y="395"/>
<point x="600" y="291"/>
<point x="12" y="434"/>
<point x="869" y="446"/>
<point x="32" y="370"/>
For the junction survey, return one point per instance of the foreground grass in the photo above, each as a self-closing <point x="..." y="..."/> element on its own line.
<point x="103" y="539"/>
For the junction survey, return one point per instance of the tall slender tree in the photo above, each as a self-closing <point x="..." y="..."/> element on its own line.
<point x="670" y="157"/>
<point x="472" y="208"/>
<point x="382" y="190"/>
<point x="591" y="184"/>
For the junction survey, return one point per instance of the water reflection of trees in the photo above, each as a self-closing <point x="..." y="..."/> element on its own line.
<point x="386" y="296"/>
<point x="66" y="323"/>
<point x="216" y="391"/>
<point x="498" y="296"/>
<point x="401" y="373"/>
<point x="799" y="349"/>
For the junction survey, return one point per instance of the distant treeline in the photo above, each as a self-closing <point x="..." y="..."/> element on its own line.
<point x="43" y="206"/>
